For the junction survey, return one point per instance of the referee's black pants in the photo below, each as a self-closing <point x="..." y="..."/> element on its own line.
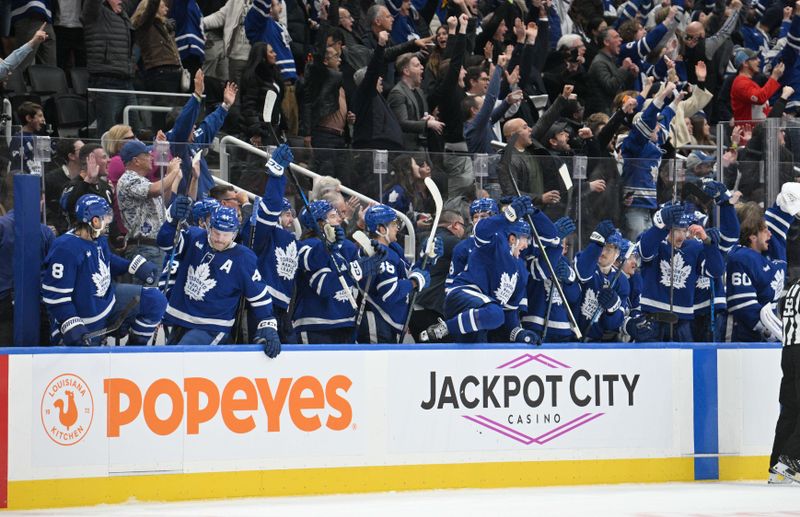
<point x="787" y="431"/>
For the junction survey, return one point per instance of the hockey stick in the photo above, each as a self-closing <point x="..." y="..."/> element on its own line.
<point x="672" y="252"/>
<point x="429" y="249"/>
<point x="241" y="333"/>
<point x="365" y="244"/>
<point x="116" y="324"/>
<point x="662" y="317"/>
<point x="599" y="310"/>
<point x="547" y="313"/>
<point x="538" y="241"/>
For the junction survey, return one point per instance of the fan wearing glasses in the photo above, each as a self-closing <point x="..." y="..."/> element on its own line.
<point x="697" y="47"/>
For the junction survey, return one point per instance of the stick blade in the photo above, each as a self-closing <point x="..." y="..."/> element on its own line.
<point x="364" y="242"/>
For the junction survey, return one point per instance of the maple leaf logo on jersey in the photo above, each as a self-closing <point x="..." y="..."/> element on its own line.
<point x="548" y="289"/>
<point x="777" y="284"/>
<point x="676" y="277"/>
<point x="101" y="279"/>
<point x="393" y="195"/>
<point x="198" y="282"/>
<point x="589" y="305"/>
<point x="341" y="295"/>
<point x="507" y="285"/>
<point x="703" y="282"/>
<point x="286" y="261"/>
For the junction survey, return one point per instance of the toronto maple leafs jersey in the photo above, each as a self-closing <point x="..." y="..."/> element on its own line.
<point x="641" y="160"/>
<point x="458" y="262"/>
<point x="210" y="283"/>
<point x="756" y="279"/>
<point x="540" y="290"/>
<point x="276" y="247"/>
<point x="635" y="296"/>
<point x="592" y="281"/>
<point x="76" y="280"/>
<point x="21" y="148"/>
<point x="388" y="295"/>
<point x="707" y="288"/>
<point x="322" y="302"/>
<point x="691" y="260"/>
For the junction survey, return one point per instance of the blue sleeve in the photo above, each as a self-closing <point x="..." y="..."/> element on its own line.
<point x="586" y="261"/>
<point x="485" y="113"/>
<point x="629" y="10"/>
<point x="166" y="236"/>
<point x="269" y="212"/>
<point x="778" y="223"/>
<point x="389" y="287"/>
<point x="784" y="30"/>
<point x="323" y="278"/>
<point x="178" y="136"/>
<point x="58" y="283"/>
<point x="650" y="241"/>
<point x="119" y="265"/>
<point x="485" y="229"/>
<point x="715" y="264"/>
<point x="646" y="45"/>
<point x="210" y="126"/>
<point x="555" y="26"/>
<point x="256" y="20"/>
<point x="254" y="288"/>
<point x="728" y="227"/>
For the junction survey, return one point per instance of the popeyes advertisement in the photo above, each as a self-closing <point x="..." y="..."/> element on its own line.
<point x="142" y="412"/>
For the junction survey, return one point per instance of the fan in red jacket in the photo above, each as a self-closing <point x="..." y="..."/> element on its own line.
<point x="749" y="101"/>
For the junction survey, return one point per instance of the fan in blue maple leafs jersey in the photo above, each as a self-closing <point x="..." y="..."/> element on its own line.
<point x="544" y="301"/>
<point x="213" y="275"/>
<point x="485" y="300"/>
<point x="478" y="209"/>
<point x="77" y="288"/>
<point x="596" y="273"/>
<point x="388" y="290"/>
<point x="276" y="247"/>
<point x="327" y="274"/>
<point x="757" y="267"/>
<point x="671" y="263"/>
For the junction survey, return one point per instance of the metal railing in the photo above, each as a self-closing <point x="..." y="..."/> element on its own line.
<point x="7" y="115"/>
<point x="410" y="242"/>
<point x="126" y="118"/>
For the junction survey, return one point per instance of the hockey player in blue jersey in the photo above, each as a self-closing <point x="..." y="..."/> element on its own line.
<point x="213" y="275"/>
<point x="706" y="316"/>
<point x="757" y="267"/>
<point x="486" y="296"/>
<point x="276" y="247"/>
<point x="602" y="306"/>
<point x="327" y="274"/>
<point x="544" y="301"/>
<point x="478" y="209"/>
<point x="671" y="263"/>
<point x="77" y="288"/>
<point x="387" y="293"/>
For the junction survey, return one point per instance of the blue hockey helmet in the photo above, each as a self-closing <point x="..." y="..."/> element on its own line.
<point x="519" y="228"/>
<point x="225" y="219"/>
<point x="615" y="239"/>
<point x="204" y="208"/>
<point x="378" y="215"/>
<point x="485" y="204"/>
<point x="286" y="206"/>
<point x="90" y="206"/>
<point x="624" y="246"/>
<point x="316" y="211"/>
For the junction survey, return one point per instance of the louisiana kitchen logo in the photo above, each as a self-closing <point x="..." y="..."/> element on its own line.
<point x="67" y="409"/>
<point x="529" y="405"/>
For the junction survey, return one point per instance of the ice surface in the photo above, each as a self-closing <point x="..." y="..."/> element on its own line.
<point x="646" y="500"/>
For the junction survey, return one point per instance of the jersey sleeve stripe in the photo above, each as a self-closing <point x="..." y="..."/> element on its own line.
<point x="260" y="295"/>
<point x="749" y="294"/>
<point x="262" y="303"/>
<point x="385" y="282"/>
<point x="776" y="229"/>
<point x="57" y="289"/>
<point x="390" y="291"/>
<point x="742" y="305"/>
<point x="56" y="301"/>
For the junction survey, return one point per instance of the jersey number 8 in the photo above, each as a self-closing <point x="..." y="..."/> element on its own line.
<point x="58" y="270"/>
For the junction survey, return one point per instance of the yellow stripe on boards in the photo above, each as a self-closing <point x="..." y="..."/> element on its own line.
<point x="735" y="468"/>
<point x="295" y="482"/>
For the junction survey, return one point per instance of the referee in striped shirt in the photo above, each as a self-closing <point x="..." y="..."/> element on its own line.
<point x="786" y="448"/>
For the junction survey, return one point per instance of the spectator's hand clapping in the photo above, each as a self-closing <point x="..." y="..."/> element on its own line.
<point x="513" y="77"/>
<point x="514" y="97"/>
<point x="435" y="125"/>
<point x="519" y="30"/>
<point x="92" y="169"/>
<point x="700" y="71"/>
<point x="531" y="32"/>
<point x="174" y="166"/>
<point x="787" y="92"/>
<point x="777" y="72"/>
<point x="629" y="105"/>
<point x="229" y="95"/>
<point x="502" y="60"/>
<point x="488" y="51"/>
<point x="160" y="136"/>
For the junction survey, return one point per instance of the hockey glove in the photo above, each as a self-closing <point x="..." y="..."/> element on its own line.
<point x="788" y="199"/>
<point x="603" y="231"/>
<point x="74" y="332"/>
<point x="565" y="226"/>
<point x="145" y="271"/>
<point x="770" y="326"/>
<point x="521" y="335"/>
<point x="519" y="208"/>
<point x="640" y="329"/>
<point x="716" y="190"/>
<point x="267" y="335"/>
<point x="279" y="161"/>
<point x="438" y="250"/>
<point x="563" y="271"/>
<point x="180" y="209"/>
<point x="335" y="236"/>
<point x="668" y="216"/>
<point x="420" y="277"/>
<point x="609" y="299"/>
<point x="366" y="266"/>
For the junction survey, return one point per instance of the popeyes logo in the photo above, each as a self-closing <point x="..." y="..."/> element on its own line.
<point x="67" y="409"/>
<point x="311" y="404"/>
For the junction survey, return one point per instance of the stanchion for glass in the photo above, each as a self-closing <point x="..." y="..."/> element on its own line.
<point x="480" y="164"/>
<point x="579" y="173"/>
<point x="380" y="166"/>
<point x="161" y="160"/>
<point x="41" y="155"/>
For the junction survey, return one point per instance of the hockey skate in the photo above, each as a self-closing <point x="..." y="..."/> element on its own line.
<point x="777" y="479"/>
<point x="788" y="467"/>
<point x="435" y="332"/>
